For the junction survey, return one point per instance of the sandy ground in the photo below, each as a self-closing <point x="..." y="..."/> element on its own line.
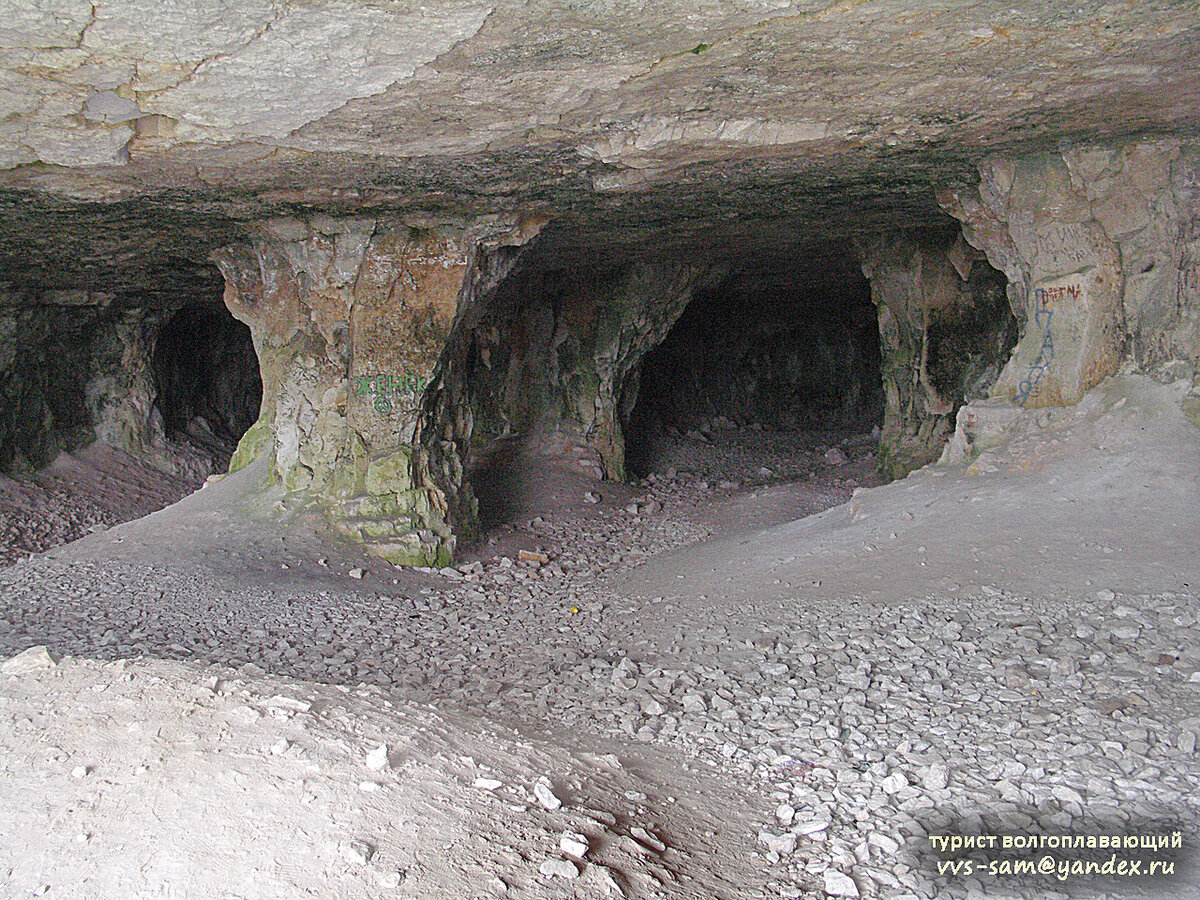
<point x="680" y="689"/>
<point x="90" y="490"/>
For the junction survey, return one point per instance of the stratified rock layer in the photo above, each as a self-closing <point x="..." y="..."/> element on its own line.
<point x="366" y="176"/>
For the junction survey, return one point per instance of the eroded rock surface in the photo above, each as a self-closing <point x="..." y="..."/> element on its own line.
<point x="1099" y="247"/>
<point x="365" y="178"/>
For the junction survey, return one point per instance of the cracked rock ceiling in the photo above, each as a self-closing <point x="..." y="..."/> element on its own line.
<point x="135" y="136"/>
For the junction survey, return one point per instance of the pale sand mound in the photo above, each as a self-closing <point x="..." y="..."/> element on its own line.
<point x="129" y="779"/>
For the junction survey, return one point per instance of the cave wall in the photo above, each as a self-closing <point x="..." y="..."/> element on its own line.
<point x="773" y="346"/>
<point x="74" y="368"/>
<point x="78" y="366"/>
<point x="945" y="332"/>
<point x="1101" y="247"/>
<point x="556" y="356"/>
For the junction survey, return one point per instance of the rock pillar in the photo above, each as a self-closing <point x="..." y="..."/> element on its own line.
<point x="350" y="318"/>
<point x="944" y="332"/>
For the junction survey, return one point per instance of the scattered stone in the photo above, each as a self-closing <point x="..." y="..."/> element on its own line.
<point x="936" y="778"/>
<point x="546" y="796"/>
<point x="812" y="826"/>
<point x="836" y="457"/>
<point x="839" y="884"/>
<point x="32" y="660"/>
<point x="377" y="759"/>
<point x="573" y="844"/>
<point x="783" y="844"/>
<point x="355" y="573"/>
<point x="559" y="868"/>
<point x="488" y="784"/>
<point x="646" y="839"/>
<point x="358" y="853"/>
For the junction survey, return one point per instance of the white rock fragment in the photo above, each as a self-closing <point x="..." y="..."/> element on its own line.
<point x="893" y="783"/>
<point x="390" y="880"/>
<point x="573" y="844"/>
<point x="783" y="844"/>
<point x="282" y="701"/>
<point x="812" y="826"/>
<point x="355" y="573"/>
<point x="32" y="660"/>
<point x="839" y="884"/>
<point x="884" y="843"/>
<point x="646" y="839"/>
<point x="488" y="784"/>
<point x="559" y="868"/>
<point x="936" y="778"/>
<point x="785" y="814"/>
<point x="79" y="772"/>
<point x="358" y="852"/>
<point x="377" y="759"/>
<point x="545" y="795"/>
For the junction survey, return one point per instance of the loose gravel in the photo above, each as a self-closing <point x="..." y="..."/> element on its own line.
<point x="865" y="726"/>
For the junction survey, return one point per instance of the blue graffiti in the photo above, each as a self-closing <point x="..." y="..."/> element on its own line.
<point x="1042" y="317"/>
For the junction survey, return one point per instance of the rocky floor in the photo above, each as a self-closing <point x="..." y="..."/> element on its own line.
<point x="93" y="489"/>
<point x="783" y="723"/>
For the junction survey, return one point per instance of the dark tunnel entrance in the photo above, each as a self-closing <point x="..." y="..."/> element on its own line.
<point x="838" y="363"/>
<point x="207" y="379"/>
<point x="778" y="345"/>
<point x="600" y="365"/>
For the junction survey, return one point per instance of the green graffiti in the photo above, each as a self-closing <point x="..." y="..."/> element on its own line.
<point x="383" y="387"/>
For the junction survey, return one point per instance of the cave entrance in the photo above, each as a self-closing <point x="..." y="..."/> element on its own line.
<point x="779" y="346"/>
<point x="207" y="379"/>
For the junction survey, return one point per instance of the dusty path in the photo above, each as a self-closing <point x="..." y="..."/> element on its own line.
<point x="817" y="697"/>
<point x="89" y="490"/>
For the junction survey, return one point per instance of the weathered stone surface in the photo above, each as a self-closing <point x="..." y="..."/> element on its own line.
<point x="350" y="318"/>
<point x="944" y="334"/>
<point x="557" y="360"/>
<point x="1097" y="244"/>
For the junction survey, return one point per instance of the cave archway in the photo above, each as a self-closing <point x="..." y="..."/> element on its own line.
<point x="207" y="378"/>
<point x="779" y="344"/>
<point x="615" y="361"/>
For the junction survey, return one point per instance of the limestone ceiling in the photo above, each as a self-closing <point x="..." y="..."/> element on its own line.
<point x="638" y="121"/>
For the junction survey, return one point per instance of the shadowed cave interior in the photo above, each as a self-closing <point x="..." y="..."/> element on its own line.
<point x="206" y="378"/>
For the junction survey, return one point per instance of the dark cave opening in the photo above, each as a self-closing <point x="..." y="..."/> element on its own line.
<point x="207" y="378"/>
<point x="778" y="345"/>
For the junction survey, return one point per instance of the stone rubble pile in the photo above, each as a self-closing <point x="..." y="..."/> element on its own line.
<point x="864" y="727"/>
